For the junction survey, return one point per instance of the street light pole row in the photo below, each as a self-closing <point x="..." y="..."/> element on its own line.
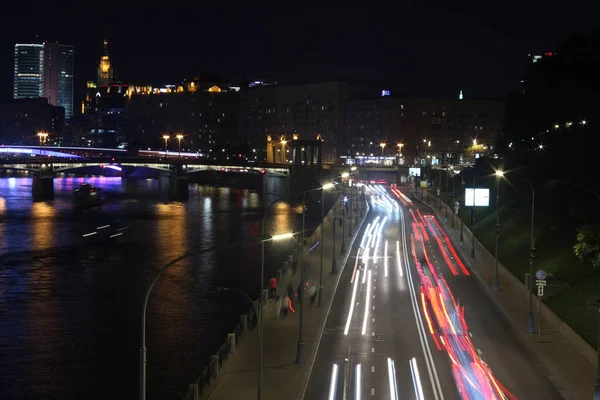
<point x="178" y="137"/>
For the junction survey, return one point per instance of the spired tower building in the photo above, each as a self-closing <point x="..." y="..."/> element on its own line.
<point x="105" y="70"/>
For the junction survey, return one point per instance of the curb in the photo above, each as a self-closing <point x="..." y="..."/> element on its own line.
<point x="552" y="374"/>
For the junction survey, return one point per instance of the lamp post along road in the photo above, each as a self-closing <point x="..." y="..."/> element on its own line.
<point x="350" y="209"/>
<point x="300" y="347"/>
<point x="261" y="305"/>
<point x="143" y="349"/>
<point x="530" y="327"/>
<point x="343" y="248"/>
<point x="333" y="260"/>
<point x="321" y="244"/>
<point x="473" y="222"/>
<point x="496" y="283"/>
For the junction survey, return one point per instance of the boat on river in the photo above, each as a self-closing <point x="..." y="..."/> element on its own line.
<point x="87" y="195"/>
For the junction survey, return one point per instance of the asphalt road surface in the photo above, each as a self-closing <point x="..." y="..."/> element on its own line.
<point x="408" y="321"/>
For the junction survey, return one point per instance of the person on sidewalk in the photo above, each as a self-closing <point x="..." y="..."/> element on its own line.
<point x="272" y="287"/>
<point x="312" y="292"/>
<point x="285" y="308"/>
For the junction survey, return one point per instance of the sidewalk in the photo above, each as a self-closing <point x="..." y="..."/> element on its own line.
<point x="571" y="372"/>
<point x="283" y="378"/>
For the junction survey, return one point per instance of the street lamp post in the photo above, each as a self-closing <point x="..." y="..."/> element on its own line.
<point x="530" y="328"/>
<point x="166" y="139"/>
<point x="473" y="221"/>
<point x="143" y="349"/>
<point x="343" y="247"/>
<point x="260" y="303"/>
<point x="333" y="260"/>
<point x="179" y="137"/>
<point x="496" y="283"/>
<point x="350" y="209"/>
<point x="300" y="347"/>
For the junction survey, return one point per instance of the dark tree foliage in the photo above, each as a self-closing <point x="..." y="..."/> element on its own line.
<point x="559" y="107"/>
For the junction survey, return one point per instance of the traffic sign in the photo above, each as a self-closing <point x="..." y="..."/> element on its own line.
<point x="541" y="274"/>
<point x="540" y="291"/>
<point x="540" y="282"/>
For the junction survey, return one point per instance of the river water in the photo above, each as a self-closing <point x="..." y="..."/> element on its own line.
<point x="70" y="306"/>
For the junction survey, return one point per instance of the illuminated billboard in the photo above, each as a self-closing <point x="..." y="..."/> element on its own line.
<point x="414" y="171"/>
<point x="481" y="197"/>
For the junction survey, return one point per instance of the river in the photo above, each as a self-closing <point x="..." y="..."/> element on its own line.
<point x="70" y="307"/>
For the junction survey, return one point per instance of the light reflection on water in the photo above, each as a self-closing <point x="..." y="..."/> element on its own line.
<point x="70" y="309"/>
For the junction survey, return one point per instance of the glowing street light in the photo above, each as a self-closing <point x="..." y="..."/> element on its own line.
<point x="382" y="145"/>
<point x="43" y="137"/>
<point x="166" y="139"/>
<point x="179" y="137"/>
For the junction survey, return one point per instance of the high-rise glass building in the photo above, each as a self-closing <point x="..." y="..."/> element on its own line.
<point x="28" y="71"/>
<point x="53" y="64"/>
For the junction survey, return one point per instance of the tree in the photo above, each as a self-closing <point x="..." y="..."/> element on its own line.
<point x="588" y="244"/>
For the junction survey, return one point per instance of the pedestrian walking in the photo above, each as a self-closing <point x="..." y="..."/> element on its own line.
<point x="312" y="292"/>
<point x="272" y="287"/>
<point x="286" y="306"/>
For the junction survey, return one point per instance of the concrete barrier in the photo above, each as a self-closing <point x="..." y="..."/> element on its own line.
<point x="504" y="273"/>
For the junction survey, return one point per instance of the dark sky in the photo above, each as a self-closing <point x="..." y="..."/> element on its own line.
<point x="434" y="47"/>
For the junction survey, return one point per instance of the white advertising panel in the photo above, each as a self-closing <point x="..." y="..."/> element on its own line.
<point x="414" y="171"/>
<point x="481" y="197"/>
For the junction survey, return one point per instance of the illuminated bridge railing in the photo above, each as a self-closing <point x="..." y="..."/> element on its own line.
<point x="76" y="152"/>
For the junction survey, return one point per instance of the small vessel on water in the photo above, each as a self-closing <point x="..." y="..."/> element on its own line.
<point x="87" y="196"/>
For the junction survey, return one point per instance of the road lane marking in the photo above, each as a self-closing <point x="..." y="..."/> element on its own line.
<point x="368" y="301"/>
<point x="385" y="258"/>
<point x="373" y="368"/>
<point x="372" y="391"/>
<point x="358" y="380"/>
<point x="352" y="303"/>
<point x="333" y="382"/>
<point x="414" y="370"/>
<point x="372" y="349"/>
<point x="392" y="379"/>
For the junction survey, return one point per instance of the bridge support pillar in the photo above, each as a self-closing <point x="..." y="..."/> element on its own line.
<point x="43" y="183"/>
<point x="175" y="185"/>
<point x="126" y="170"/>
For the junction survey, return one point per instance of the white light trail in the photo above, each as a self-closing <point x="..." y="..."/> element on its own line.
<point x="364" y="236"/>
<point x="351" y="311"/>
<point x="365" y="257"/>
<point x="398" y="261"/>
<point x="333" y="383"/>
<point x="414" y="370"/>
<point x="380" y="227"/>
<point x="358" y="386"/>
<point x="367" y="304"/>
<point x="385" y="259"/>
<point x="355" y="266"/>
<point x="392" y="379"/>
<point x="376" y="252"/>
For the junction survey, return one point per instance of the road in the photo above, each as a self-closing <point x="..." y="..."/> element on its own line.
<point x="408" y="321"/>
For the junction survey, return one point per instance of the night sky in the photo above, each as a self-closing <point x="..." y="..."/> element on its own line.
<point x="434" y="49"/>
